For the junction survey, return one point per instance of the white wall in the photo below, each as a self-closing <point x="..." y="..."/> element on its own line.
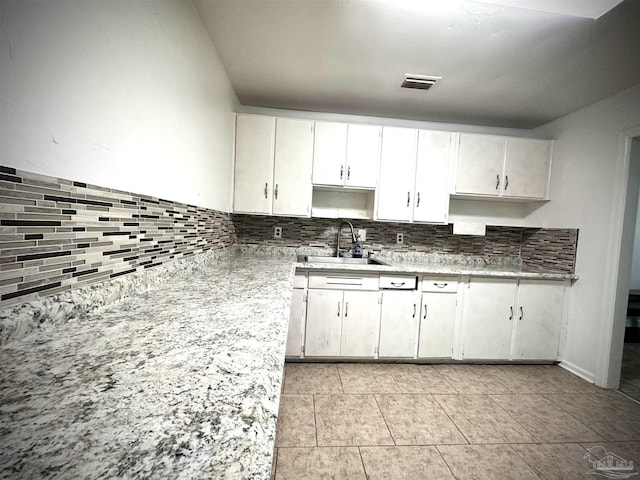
<point x="123" y="94"/>
<point x="584" y="184"/>
<point x="634" y="282"/>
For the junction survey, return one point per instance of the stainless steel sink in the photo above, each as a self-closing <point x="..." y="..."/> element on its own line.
<point x="339" y="260"/>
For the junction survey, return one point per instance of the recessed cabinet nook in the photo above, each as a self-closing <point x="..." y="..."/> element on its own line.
<point x="307" y="168"/>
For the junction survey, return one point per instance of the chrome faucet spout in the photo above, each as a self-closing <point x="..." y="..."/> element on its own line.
<point x="354" y="239"/>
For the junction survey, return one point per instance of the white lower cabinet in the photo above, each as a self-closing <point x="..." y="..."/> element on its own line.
<point x="510" y="319"/>
<point x="399" y="323"/>
<point x="296" y="323"/>
<point x="539" y="320"/>
<point x="359" y="324"/>
<point x="489" y="318"/>
<point x="341" y="323"/>
<point x="438" y="317"/>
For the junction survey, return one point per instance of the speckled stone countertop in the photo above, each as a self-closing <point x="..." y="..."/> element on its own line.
<point x="180" y="382"/>
<point x="396" y="266"/>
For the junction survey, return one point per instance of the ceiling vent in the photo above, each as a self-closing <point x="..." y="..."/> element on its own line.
<point x="421" y="82"/>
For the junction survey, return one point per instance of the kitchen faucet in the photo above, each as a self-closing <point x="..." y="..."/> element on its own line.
<point x="354" y="239"/>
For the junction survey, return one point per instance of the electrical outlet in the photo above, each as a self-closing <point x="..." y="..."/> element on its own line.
<point x="399" y="238"/>
<point x="277" y="233"/>
<point x="362" y="234"/>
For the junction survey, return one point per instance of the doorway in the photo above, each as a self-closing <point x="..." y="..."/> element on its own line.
<point x="630" y="371"/>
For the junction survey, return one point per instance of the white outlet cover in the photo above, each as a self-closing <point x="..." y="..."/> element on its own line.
<point x="362" y="234"/>
<point x="399" y="238"/>
<point x="277" y="232"/>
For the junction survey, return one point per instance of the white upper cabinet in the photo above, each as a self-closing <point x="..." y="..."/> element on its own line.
<point x="330" y="153"/>
<point x="273" y="165"/>
<point x="346" y="155"/>
<point x="255" y="138"/>
<point x="292" y="173"/>
<point x="414" y="175"/>
<point x="526" y="170"/>
<point x="505" y="167"/>
<point x="432" y="177"/>
<point x="397" y="174"/>
<point x="480" y="164"/>
<point x="363" y="155"/>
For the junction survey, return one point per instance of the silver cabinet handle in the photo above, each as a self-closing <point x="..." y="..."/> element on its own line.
<point x="341" y="171"/>
<point x="506" y="182"/>
<point x="414" y="310"/>
<point x="266" y="185"/>
<point x="418" y="202"/>
<point x="397" y="284"/>
<point x="276" y="192"/>
<point x="497" y="181"/>
<point x="521" y="313"/>
<point x="408" y="198"/>
<point x="348" y="172"/>
<point x="425" y="312"/>
<point x="440" y="285"/>
<point x="346" y="310"/>
<point x="511" y="315"/>
<point x="338" y="309"/>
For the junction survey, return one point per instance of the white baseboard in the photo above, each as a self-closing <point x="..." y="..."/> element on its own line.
<point x="580" y="372"/>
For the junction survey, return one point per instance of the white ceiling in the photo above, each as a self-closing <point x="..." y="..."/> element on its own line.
<point x="501" y="65"/>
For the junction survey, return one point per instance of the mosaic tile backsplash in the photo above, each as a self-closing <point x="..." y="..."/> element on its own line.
<point x="57" y="234"/>
<point x="544" y="249"/>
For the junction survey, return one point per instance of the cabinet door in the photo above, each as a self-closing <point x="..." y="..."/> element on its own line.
<point x="538" y="320"/>
<point x="397" y="174"/>
<point x="359" y="324"/>
<point x="363" y="155"/>
<point x="292" y="171"/>
<point x="324" y="321"/>
<point x="526" y="168"/>
<point x="253" y="187"/>
<point x="437" y="322"/>
<point x="489" y="317"/>
<point x="399" y="323"/>
<point x="296" y="321"/>
<point x="432" y="177"/>
<point x="480" y="164"/>
<point x="330" y="153"/>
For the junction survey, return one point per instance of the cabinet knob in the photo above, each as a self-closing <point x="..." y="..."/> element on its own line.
<point x="521" y="314"/>
<point x="511" y="314"/>
<point x="408" y="198"/>
<point x="414" y="310"/>
<point x="276" y="192"/>
<point x="341" y="171"/>
<point x="425" y="312"/>
<point x="338" y="309"/>
<point x="346" y="310"/>
<point x="497" y="181"/>
<point x="506" y="182"/>
<point x="348" y="172"/>
<point x="418" y="201"/>
<point x="266" y="185"/>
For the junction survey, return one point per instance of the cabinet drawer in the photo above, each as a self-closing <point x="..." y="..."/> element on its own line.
<point x="343" y="281"/>
<point x="398" y="282"/>
<point x="440" y="284"/>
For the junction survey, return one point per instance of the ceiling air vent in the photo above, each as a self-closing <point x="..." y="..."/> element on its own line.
<point x="421" y="82"/>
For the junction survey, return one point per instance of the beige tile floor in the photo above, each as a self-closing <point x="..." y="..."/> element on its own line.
<point x="413" y="422"/>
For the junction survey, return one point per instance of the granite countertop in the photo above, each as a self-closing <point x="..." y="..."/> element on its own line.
<point x="416" y="266"/>
<point x="182" y="381"/>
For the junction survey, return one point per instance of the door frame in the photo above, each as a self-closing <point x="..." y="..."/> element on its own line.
<point x="616" y="285"/>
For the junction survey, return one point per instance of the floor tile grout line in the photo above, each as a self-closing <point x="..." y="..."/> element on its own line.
<point x="445" y="462"/>
<point x="315" y="420"/>
<point x="340" y="378"/>
<point x="384" y="419"/>
<point x="450" y="419"/>
<point x="364" y="468"/>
